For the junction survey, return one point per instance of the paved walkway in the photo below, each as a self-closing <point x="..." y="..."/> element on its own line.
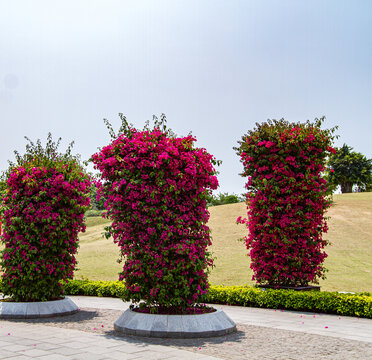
<point x="20" y="341"/>
<point x="312" y="323"/>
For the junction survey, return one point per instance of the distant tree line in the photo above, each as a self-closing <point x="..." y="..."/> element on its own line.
<point x="212" y="200"/>
<point x="224" y="198"/>
<point x="94" y="204"/>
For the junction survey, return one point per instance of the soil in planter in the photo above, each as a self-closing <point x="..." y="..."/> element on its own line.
<point x="174" y="310"/>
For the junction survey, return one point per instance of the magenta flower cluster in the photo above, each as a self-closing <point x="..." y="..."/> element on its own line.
<point x="286" y="201"/>
<point x="156" y="188"/>
<point x="42" y="212"/>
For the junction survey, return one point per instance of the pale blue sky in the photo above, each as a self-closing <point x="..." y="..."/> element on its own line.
<point x="213" y="67"/>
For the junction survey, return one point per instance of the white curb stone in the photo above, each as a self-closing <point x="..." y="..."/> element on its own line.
<point x="175" y="326"/>
<point x="33" y="310"/>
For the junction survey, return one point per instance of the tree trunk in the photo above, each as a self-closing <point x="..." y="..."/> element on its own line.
<point x="347" y="188"/>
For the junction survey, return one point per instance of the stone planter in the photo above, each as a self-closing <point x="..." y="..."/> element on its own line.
<point x="34" y="310"/>
<point x="175" y="326"/>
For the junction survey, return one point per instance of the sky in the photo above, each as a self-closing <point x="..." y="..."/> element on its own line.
<point x="215" y="68"/>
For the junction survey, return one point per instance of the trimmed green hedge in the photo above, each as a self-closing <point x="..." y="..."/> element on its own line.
<point x="314" y="301"/>
<point x="93" y="213"/>
<point x="95" y="288"/>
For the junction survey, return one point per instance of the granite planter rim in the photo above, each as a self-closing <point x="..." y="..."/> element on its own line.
<point x="212" y="324"/>
<point x="37" y="309"/>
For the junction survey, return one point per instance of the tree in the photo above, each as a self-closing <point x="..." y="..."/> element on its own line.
<point x="224" y="198"/>
<point x="348" y="168"/>
<point x="94" y="203"/>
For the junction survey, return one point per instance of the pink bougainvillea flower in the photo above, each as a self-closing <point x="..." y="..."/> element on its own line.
<point x="286" y="200"/>
<point x="43" y="213"/>
<point x="156" y="186"/>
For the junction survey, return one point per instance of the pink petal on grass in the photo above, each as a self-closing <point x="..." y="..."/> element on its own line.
<point x="8" y="333"/>
<point x="102" y="325"/>
<point x="326" y="327"/>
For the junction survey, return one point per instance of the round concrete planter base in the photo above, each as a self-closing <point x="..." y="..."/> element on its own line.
<point x="34" y="310"/>
<point x="175" y="326"/>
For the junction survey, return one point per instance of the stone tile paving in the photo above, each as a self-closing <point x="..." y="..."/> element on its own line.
<point x="262" y="334"/>
<point x="78" y="345"/>
<point x="321" y="324"/>
<point x="251" y="342"/>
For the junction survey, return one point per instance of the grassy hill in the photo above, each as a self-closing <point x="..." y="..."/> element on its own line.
<point x="349" y="261"/>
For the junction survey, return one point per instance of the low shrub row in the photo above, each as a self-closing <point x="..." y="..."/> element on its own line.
<point x="92" y="213"/>
<point x="96" y="288"/>
<point x="315" y="301"/>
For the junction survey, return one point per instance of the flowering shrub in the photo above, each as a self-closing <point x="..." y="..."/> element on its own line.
<point x="156" y="186"/>
<point x="45" y="196"/>
<point x="286" y="200"/>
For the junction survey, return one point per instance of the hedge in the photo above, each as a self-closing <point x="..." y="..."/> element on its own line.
<point x="315" y="301"/>
<point x="96" y="288"/>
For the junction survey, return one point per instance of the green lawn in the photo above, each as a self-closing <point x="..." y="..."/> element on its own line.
<point x="349" y="261"/>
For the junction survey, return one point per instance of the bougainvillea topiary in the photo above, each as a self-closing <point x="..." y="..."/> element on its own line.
<point x="286" y="200"/>
<point x="44" y="197"/>
<point x="156" y="186"/>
